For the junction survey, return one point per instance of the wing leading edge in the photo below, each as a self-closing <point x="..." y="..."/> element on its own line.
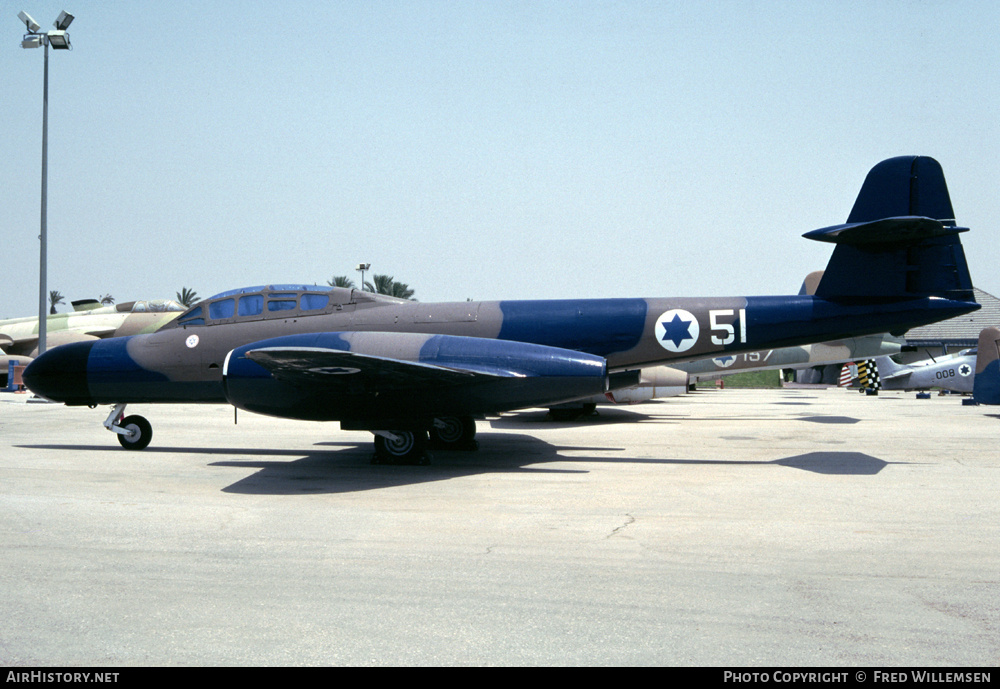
<point x="331" y="369"/>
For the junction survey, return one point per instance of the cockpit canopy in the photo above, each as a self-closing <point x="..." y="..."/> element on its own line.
<point x="140" y="306"/>
<point x="149" y="306"/>
<point x="265" y="302"/>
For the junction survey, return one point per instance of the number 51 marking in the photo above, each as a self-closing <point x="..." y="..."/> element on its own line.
<point x="727" y="328"/>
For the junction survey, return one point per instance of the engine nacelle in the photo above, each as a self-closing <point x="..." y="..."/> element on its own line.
<point x="402" y="380"/>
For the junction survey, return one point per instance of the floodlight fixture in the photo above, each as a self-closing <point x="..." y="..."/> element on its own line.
<point x="362" y="267"/>
<point x="32" y="25"/>
<point x="59" y="40"/>
<point x="63" y="21"/>
<point x="32" y="41"/>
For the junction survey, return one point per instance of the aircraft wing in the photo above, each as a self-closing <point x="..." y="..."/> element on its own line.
<point x="99" y="332"/>
<point x="329" y="369"/>
<point x="362" y="378"/>
<point x="26" y="343"/>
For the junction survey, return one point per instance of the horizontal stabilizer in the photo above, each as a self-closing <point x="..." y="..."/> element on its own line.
<point x="895" y="376"/>
<point x="885" y="231"/>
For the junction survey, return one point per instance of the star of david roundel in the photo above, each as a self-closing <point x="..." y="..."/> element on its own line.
<point x="677" y="330"/>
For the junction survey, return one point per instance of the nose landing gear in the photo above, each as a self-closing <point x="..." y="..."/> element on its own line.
<point x="134" y="432"/>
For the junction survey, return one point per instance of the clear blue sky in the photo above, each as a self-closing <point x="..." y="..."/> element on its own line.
<point x="482" y="150"/>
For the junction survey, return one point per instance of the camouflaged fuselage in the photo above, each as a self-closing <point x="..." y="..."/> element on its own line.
<point x="185" y="360"/>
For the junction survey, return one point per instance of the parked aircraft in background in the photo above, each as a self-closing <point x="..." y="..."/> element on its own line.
<point x="807" y="356"/>
<point x="405" y="369"/>
<point x="986" y="389"/>
<point x="667" y="381"/>
<point x="955" y="373"/>
<point x="88" y="321"/>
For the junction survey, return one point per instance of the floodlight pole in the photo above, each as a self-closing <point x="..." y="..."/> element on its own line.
<point x="32" y="39"/>
<point x="43" y="236"/>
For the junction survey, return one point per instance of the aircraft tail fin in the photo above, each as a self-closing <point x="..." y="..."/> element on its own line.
<point x="889" y="369"/>
<point x="811" y="282"/>
<point x="86" y="304"/>
<point x="986" y="387"/>
<point x="900" y="240"/>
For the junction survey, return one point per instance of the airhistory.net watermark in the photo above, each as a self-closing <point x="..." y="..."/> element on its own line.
<point x="33" y="676"/>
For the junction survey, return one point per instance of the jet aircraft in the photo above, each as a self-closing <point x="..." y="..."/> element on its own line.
<point x="405" y="369"/>
<point x="955" y="373"/>
<point x="88" y="321"/>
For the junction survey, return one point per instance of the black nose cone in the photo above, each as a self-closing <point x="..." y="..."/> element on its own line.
<point x="60" y="374"/>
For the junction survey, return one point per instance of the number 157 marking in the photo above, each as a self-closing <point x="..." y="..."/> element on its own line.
<point x="727" y="328"/>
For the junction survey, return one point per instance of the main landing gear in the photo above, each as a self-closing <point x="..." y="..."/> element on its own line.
<point x="410" y="447"/>
<point x="134" y="432"/>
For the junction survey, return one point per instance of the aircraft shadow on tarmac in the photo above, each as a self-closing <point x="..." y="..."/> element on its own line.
<point x="345" y="467"/>
<point x="535" y="419"/>
<point x="348" y="469"/>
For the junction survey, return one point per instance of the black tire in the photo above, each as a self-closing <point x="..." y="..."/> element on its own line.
<point x="410" y="447"/>
<point x="456" y="433"/>
<point x="141" y="433"/>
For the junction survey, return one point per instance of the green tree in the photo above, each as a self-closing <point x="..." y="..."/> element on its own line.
<point x="55" y="297"/>
<point x="107" y="299"/>
<point x="187" y="296"/>
<point x="385" y="284"/>
<point x="341" y="281"/>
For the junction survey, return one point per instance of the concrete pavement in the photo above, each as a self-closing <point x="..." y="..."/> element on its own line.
<point x="733" y="527"/>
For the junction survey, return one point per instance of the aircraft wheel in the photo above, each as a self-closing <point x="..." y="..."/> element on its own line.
<point x="409" y="447"/>
<point x="140" y="433"/>
<point x="454" y="433"/>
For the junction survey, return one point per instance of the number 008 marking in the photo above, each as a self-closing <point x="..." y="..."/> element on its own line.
<point x="727" y="328"/>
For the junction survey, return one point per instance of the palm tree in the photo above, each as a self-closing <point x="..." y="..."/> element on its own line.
<point x="187" y="296"/>
<point x="402" y="290"/>
<point x="107" y="299"/>
<point x="341" y="281"/>
<point x="385" y="284"/>
<point x="55" y="297"/>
